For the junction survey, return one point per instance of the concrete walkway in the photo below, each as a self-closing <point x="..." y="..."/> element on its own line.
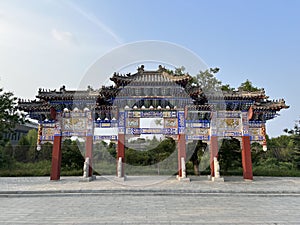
<point x="149" y="200"/>
<point x="148" y="184"/>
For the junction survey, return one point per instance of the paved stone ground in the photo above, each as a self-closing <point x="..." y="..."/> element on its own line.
<point x="150" y="209"/>
<point x="268" y="185"/>
<point x="149" y="200"/>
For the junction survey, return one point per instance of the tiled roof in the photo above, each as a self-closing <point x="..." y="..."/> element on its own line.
<point x="178" y="84"/>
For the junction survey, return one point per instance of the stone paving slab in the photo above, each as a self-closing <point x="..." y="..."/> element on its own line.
<point x="147" y="184"/>
<point x="150" y="209"/>
<point x="149" y="200"/>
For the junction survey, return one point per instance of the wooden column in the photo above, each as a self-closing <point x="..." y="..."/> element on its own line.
<point x="246" y="158"/>
<point x="56" y="158"/>
<point x="89" y="153"/>
<point x="213" y="153"/>
<point x="121" y="151"/>
<point x="181" y="152"/>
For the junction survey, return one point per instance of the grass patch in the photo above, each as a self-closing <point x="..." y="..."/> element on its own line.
<point x="41" y="168"/>
<point x="73" y="172"/>
<point x="275" y="172"/>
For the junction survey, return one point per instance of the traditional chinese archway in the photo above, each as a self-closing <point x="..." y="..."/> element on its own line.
<point x="188" y="114"/>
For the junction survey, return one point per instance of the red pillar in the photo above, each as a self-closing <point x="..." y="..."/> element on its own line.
<point x="121" y="151"/>
<point x="89" y="153"/>
<point x="56" y="158"/>
<point x="246" y="158"/>
<point x="213" y="153"/>
<point x="181" y="152"/>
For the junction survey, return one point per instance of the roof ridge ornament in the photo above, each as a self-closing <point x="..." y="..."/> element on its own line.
<point x="141" y="69"/>
<point x="63" y="88"/>
<point x="161" y="69"/>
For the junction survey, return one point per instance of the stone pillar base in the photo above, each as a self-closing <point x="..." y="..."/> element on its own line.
<point x="183" y="179"/>
<point x="219" y="179"/>
<point x="120" y="179"/>
<point x="87" y="179"/>
<point x="248" y="180"/>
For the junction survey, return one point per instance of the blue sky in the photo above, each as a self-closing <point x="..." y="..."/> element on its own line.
<point x="48" y="43"/>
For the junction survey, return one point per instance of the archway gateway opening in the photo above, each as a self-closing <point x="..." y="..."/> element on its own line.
<point x="143" y="127"/>
<point x="187" y="113"/>
<point x="153" y="152"/>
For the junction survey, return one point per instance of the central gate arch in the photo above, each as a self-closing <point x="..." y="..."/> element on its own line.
<point x="156" y="95"/>
<point x="171" y="127"/>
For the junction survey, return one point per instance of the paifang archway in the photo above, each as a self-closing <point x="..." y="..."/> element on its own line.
<point x="191" y="115"/>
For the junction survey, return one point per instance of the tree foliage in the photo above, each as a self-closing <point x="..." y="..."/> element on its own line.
<point x="209" y="83"/>
<point x="230" y="155"/>
<point x="248" y="86"/>
<point x="227" y="88"/>
<point x="6" y="156"/>
<point x="207" y="80"/>
<point x="197" y="147"/>
<point x="294" y="145"/>
<point x="21" y="152"/>
<point x="155" y="155"/>
<point x="71" y="155"/>
<point x="9" y="116"/>
<point x="25" y="150"/>
<point x="179" y="70"/>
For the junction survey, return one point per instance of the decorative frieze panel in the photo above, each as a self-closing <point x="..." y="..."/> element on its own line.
<point x="226" y="124"/>
<point x="257" y="131"/>
<point x="151" y="114"/>
<point x="165" y="131"/>
<point x="105" y="137"/>
<point x="198" y="134"/>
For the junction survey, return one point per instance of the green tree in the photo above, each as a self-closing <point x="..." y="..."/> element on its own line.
<point x="227" y="88"/>
<point x="9" y="116"/>
<point x="46" y="152"/>
<point x="2" y="158"/>
<point x="280" y="148"/>
<point x="207" y="80"/>
<point x="112" y="149"/>
<point x="295" y="145"/>
<point x="31" y="136"/>
<point x="8" y="150"/>
<point x="153" y="156"/>
<point x="163" y="150"/>
<point x="26" y="151"/>
<point x="197" y="154"/>
<point x="71" y="155"/>
<point x="230" y="155"/>
<point x="248" y="86"/>
<point x="179" y="70"/>
<point x="257" y="154"/>
<point x="281" y="154"/>
<point x="21" y="151"/>
<point x="6" y="156"/>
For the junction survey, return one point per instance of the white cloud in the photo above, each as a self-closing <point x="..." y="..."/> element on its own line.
<point x="92" y="18"/>
<point x="33" y="46"/>
<point x="63" y="36"/>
